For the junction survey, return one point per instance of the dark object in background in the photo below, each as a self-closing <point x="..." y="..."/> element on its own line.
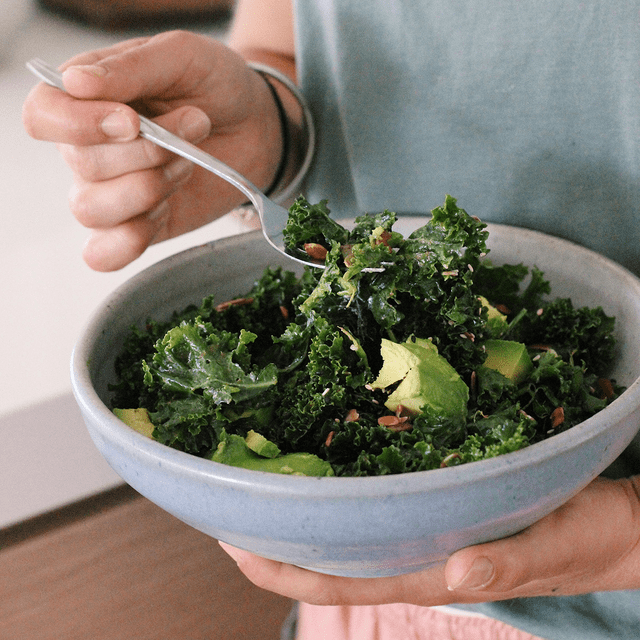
<point x="122" y="15"/>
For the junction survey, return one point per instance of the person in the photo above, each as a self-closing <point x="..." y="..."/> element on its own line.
<point x="529" y="114"/>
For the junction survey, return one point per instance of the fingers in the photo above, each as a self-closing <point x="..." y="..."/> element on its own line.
<point x="321" y="589"/>
<point x="152" y="75"/>
<point x="105" y="161"/>
<point x="116" y="182"/>
<point x="114" y="248"/>
<point x="105" y="204"/>
<point x="51" y="115"/>
<point x="176" y="67"/>
<point x="139" y="68"/>
<point x="191" y="85"/>
<point x="581" y="547"/>
<point x="123" y="191"/>
<point x="592" y="543"/>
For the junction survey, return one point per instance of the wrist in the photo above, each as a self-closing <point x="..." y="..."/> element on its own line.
<point x="298" y="134"/>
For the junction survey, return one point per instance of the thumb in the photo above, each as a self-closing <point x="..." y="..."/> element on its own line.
<point x="134" y="70"/>
<point x="578" y="548"/>
<point x="160" y="73"/>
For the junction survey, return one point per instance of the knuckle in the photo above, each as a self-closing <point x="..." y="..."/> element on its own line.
<point x="36" y="116"/>
<point x="74" y="132"/>
<point x="29" y="116"/>
<point x="80" y="122"/>
<point x="508" y="579"/>
<point x="82" y="161"/>
<point x="149" y="191"/>
<point x="135" y="241"/>
<point x="152" y="154"/>
<point x="103" y="204"/>
<point x="179" y="37"/>
<point x="82" y="207"/>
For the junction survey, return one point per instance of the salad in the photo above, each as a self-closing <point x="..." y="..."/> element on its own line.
<point x="402" y="354"/>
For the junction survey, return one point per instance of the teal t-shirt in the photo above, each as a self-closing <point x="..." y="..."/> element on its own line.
<point x="527" y="112"/>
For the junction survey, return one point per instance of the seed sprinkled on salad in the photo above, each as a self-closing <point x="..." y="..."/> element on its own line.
<point x="403" y="354"/>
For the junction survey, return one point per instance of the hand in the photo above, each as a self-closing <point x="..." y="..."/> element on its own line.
<point x="592" y="543"/>
<point x="130" y="192"/>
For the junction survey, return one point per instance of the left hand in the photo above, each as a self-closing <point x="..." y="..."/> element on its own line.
<point x="592" y="543"/>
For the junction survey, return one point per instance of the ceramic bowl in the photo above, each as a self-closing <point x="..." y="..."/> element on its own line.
<point x="376" y="526"/>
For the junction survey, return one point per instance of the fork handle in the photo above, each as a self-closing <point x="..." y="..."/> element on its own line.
<point x="163" y="138"/>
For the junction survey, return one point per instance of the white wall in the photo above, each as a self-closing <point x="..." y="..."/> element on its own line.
<point x="46" y="291"/>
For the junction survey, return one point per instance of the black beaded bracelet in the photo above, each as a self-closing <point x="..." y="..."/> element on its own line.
<point x="286" y="142"/>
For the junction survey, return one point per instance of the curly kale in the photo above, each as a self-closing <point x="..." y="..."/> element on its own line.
<point x="380" y="284"/>
<point x="310" y="223"/>
<point x="295" y="359"/>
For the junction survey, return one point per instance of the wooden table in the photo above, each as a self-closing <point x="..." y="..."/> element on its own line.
<point x="116" y="567"/>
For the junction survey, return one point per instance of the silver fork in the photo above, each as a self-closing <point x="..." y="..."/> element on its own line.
<point x="273" y="217"/>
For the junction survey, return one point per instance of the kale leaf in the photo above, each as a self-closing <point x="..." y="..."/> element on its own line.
<point x="294" y="358"/>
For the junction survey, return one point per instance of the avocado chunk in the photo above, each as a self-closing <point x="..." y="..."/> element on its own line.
<point x="234" y="451"/>
<point x="496" y="320"/>
<point x="427" y="382"/>
<point x="509" y="358"/>
<point x="260" y="445"/>
<point x="137" y="419"/>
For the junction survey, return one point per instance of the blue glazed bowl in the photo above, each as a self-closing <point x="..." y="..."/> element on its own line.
<point x="359" y="527"/>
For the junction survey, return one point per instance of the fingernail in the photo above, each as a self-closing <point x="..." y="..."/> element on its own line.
<point x="118" y="126"/>
<point x="178" y="169"/>
<point x="479" y="576"/>
<point x="92" y="69"/>
<point x="194" y="125"/>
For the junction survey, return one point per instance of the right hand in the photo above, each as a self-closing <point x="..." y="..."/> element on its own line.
<point x="128" y="191"/>
<point x="589" y="544"/>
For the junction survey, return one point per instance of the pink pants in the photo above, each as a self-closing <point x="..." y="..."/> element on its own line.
<point x="400" y="622"/>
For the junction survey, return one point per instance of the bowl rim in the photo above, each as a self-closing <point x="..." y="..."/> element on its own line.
<point x="313" y="487"/>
